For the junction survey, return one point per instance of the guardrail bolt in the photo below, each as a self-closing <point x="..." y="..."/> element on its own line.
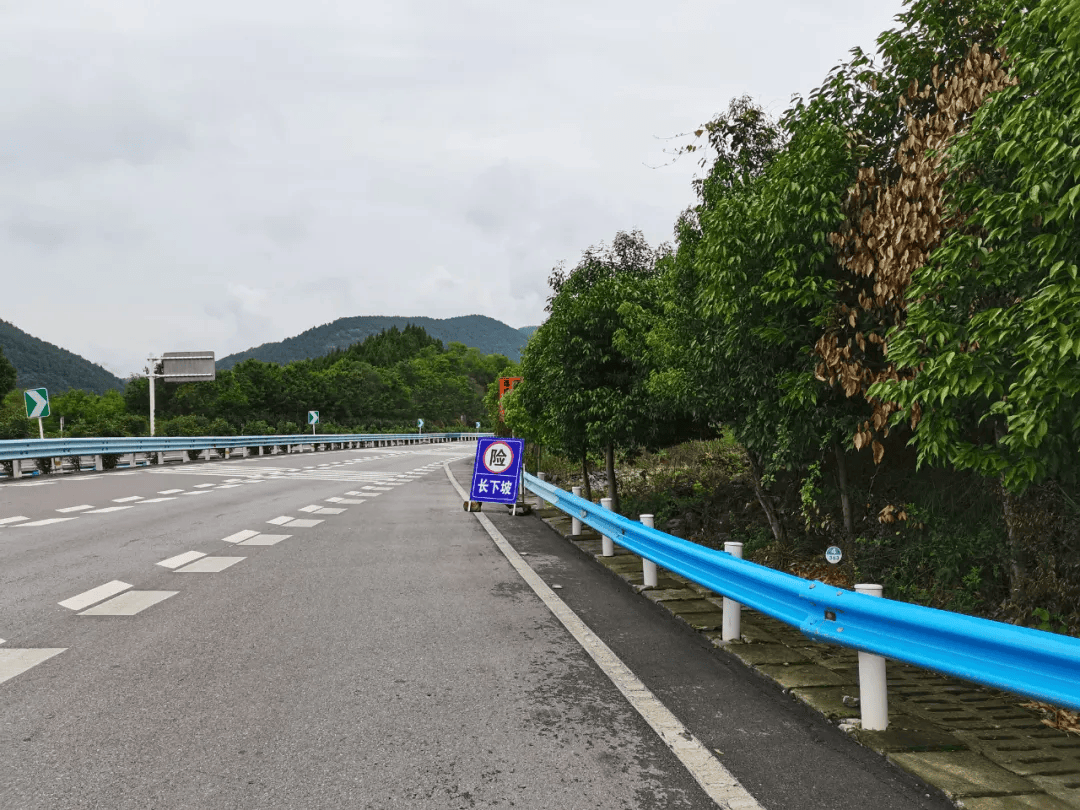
<point x="575" y="522"/>
<point x="732" y="623"/>
<point x="607" y="543"/>
<point x="648" y="567"/>
<point x="873" y="692"/>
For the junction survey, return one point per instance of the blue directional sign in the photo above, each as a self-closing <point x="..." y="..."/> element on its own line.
<point x="497" y="471"/>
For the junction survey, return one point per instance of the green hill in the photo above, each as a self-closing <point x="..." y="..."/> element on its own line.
<point x="486" y="334"/>
<point x="42" y="365"/>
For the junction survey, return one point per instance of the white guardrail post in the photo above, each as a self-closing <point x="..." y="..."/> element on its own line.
<point x="732" y="623"/>
<point x="607" y="543"/>
<point x="575" y="521"/>
<point x="873" y="689"/>
<point x="648" y="567"/>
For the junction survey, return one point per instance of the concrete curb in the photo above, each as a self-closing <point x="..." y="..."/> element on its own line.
<point x="979" y="746"/>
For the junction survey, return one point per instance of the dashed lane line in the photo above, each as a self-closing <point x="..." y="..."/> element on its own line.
<point x="16" y="519"/>
<point x="108" y="509"/>
<point x="81" y="508"/>
<point x="181" y="559"/>
<point x="264" y="540"/>
<point x="721" y="786"/>
<point x="302" y="523"/>
<point x="128" y="499"/>
<point x="239" y="536"/>
<point x="87" y="598"/>
<point x="209" y="565"/>
<point x="157" y="500"/>
<point x="170" y="491"/>
<point x="46" y="522"/>
<point x="130" y="603"/>
<point x="280" y="520"/>
<point x="14" y="661"/>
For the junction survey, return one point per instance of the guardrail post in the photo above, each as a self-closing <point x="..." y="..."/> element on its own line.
<point x="16" y="468"/>
<point x="99" y="463"/>
<point x="732" y="624"/>
<point x="607" y="544"/>
<point x="160" y="459"/>
<point x="575" y="521"/>
<point x="873" y="692"/>
<point x="131" y="460"/>
<point x="648" y="567"/>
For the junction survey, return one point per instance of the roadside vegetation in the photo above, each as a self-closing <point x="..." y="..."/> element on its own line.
<point x="865" y="332"/>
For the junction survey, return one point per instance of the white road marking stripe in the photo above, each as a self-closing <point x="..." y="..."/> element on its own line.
<point x="76" y="508"/>
<point x="46" y="522"/>
<point x="129" y="498"/>
<point x="280" y="521"/>
<point x="170" y="491"/>
<point x="157" y="500"/>
<point x="87" y="598"/>
<point x="198" y="492"/>
<point x="209" y="565"/>
<point x="722" y="787"/>
<point x="181" y="559"/>
<point x="332" y="500"/>
<point x="14" y="662"/>
<point x="15" y="519"/>
<point x="228" y="486"/>
<point x="265" y="539"/>
<point x="201" y="486"/>
<point x="365" y="494"/>
<point x="326" y="510"/>
<point x="242" y="535"/>
<point x="130" y="603"/>
<point x="351" y="501"/>
<point x="108" y="509"/>
<point x="312" y="508"/>
<point x="302" y="523"/>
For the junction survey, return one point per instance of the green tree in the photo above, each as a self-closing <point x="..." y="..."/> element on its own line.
<point x="8" y="375"/>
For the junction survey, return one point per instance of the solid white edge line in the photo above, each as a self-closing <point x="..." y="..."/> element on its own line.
<point x="716" y="780"/>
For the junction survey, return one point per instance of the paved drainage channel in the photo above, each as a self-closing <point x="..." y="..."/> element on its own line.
<point x="981" y="747"/>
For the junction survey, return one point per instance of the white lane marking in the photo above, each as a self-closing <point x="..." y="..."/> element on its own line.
<point x="130" y="603"/>
<point x="312" y="508"/>
<point x="280" y="521"/>
<point x="203" y="486"/>
<point x="15" y="519"/>
<point x="198" y="492"/>
<point x="76" y="508"/>
<point x="108" y="509"/>
<point x="300" y="523"/>
<point x="170" y="491"/>
<point x="332" y="500"/>
<point x="716" y="780"/>
<point x="351" y="501"/>
<point x="181" y="559"/>
<point x="128" y="498"/>
<point x="14" y="662"/>
<point x="87" y="598"/>
<point x="241" y="535"/>
<point x="228" y="486"/>
<point x="326" y="510"/>
<point x="365" y="494"/>
<point x="157" y="500"/>
<point x="47" y="522"/>
<point x="265" y="539"/>
<point x="209" y="565"/>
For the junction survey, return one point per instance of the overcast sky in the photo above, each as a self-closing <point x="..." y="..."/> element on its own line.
<point x="216" y="174"/>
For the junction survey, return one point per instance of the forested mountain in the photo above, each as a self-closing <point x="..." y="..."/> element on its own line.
<point x="485" y="334"/>
<point x="527" y="331"/>
<point x="42" y="365"/>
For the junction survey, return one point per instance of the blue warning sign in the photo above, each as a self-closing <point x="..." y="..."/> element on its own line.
<point x="497" y="471"/>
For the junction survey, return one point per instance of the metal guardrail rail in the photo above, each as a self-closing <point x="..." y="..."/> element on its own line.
<point x="1040" y="665"/>
<point x="19" y="449"/>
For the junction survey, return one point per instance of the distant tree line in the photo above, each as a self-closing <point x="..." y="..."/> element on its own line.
<point x="384" y="383"/>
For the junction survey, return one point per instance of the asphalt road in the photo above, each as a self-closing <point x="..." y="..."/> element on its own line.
<point x="386" y="656"/>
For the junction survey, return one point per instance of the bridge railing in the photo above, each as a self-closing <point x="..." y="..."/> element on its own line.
<point x="18" y="450"/>
<point x="1020" y="660"/>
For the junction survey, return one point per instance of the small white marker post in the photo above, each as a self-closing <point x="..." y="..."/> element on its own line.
<point x="575" y="521"/>
<point x="648" y="567"/>
<point x="873" y="690"/>
<point x="608" y="545"/>
<point x="732" y="624"/>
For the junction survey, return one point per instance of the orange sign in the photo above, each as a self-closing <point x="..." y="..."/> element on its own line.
<point x="506" y="385"/>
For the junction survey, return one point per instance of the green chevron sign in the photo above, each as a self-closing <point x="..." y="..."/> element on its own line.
<point x="37" y="403"/>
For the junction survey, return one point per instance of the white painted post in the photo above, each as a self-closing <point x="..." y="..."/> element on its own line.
<point x="732" y="624"/>
<point x="607" y="544"/>
<point x="542" y="476"/>
<point x="16" y="468"/>
<point x="99" y="463"/>
<point x="648" y="567"/>
<point x="873" y="692"/>
<point x="183" y="457"/>
<point x="575" y="521"/>
<point x="262" y="450"/>
<point x="132" y="460"/>
<point x="160" y="459"/>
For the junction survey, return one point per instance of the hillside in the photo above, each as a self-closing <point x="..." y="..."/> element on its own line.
<point x="43" y="365"/>
<point x="479" y="331"/>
